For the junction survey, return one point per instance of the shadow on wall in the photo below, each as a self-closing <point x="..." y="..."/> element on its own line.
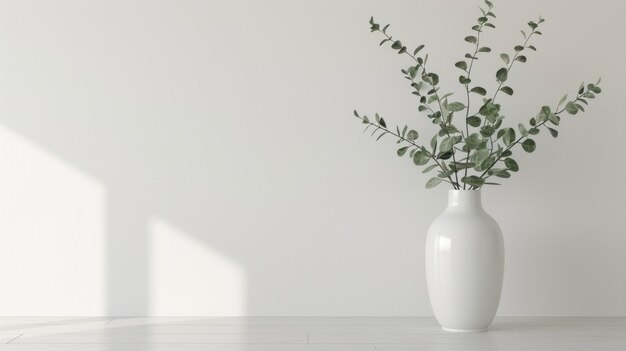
<point x="58" y="219"/>
<point x="178" y="138"/>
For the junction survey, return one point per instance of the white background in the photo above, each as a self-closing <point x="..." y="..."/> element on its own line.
<point x="201" y="158"/>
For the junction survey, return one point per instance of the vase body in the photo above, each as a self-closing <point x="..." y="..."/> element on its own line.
<point x="464" y="264"/>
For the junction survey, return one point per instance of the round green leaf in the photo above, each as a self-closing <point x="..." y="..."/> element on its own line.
<point x="479" y="91"/>
<point x="471" y="39"/>
<point x="502" y="74"/>
<point x="420" y="158"/>
<point x="455" y="106"/>
<point x="507" y="90"/>
<point x="474" y="121"/>
<point x="464" y="80"/>
<point x="401" y="151"/>
<point x="511" y="164"/>
<point x="432" y="79"/>
<point x="446" y="145"/>
<point x="571" y="108"/>
<point x="508" y="137"/>
<point x="529" y="145"/>
<point x="480" y="155"/>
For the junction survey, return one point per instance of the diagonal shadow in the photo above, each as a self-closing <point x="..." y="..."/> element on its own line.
<point x="136" y="192"/>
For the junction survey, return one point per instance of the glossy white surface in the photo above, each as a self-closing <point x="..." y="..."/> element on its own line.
<point x="464" y="264"/>
<point x="304" y="334"/>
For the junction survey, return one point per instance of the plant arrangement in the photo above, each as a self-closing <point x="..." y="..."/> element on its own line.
<point x="468" y="157"/>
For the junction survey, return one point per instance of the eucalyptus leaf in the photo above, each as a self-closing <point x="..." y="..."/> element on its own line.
<point x="511" y="164"/>
<point x="505" y="58"/>
<point x="430" y="168"/>
<point x="471" y="39"/>
<point x="507" y="90"/>
<point x="508" y="136"/>
<point x="473" y="181"/>
<point x="382" y="123"/>
<point x="401" y="151"/>
<point x="420" y="158"/>
<point x="417" y="49"/>
<point x="553" y="132"/>
<point x="502" y="74"/>
<point x="571" y="108"/>
<point x="529" y="145"/>
<point x="502" y="173"/>
<point x="474" y="121"/>
<point x="482" y="152"/>
<point x="455" y="107"/>
<point x="445" y="155"/>
<point x="446" y="144"/>
<point x="480" y="155"/>
<point x="522" y="130"/>
<point x="479" y="91"/>
<point x="433" y="182"/>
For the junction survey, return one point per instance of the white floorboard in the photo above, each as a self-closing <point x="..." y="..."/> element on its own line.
<point x="186" y="347"/>
<point x="151" y="338"/>
<point x="303" y="334"/>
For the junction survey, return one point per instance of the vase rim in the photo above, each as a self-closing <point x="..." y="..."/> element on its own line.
<point x="462" y="198"/>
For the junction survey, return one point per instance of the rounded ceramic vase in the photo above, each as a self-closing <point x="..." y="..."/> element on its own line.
<point x="464" y="264"/>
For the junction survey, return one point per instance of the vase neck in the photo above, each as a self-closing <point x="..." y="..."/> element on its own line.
<point x="465" y="199"/>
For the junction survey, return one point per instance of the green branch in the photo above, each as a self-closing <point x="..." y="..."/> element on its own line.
<point x="403" y="139"/>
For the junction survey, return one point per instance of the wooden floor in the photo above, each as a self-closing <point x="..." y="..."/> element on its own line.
<point x="304" y="334"/>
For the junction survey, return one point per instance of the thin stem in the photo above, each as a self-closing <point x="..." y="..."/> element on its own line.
<point x="511" y="66"/>
<point x="493" y="100"/>
<point x="469" y="72"/>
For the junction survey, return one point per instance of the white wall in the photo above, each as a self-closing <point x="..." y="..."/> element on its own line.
<point x="201" y="157"/>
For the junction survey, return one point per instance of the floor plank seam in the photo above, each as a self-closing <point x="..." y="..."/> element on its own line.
<point x="10" y="341"/>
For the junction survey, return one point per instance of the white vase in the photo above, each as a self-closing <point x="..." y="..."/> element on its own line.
<point x="464" y="264"/>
